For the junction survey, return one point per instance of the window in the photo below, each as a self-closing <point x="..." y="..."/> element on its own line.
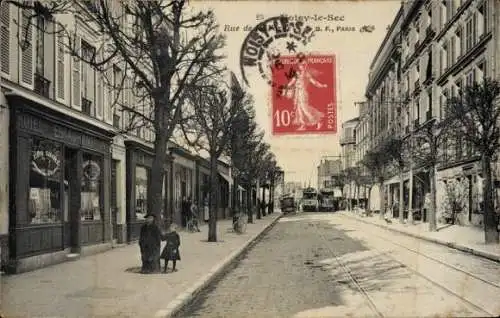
<point x="44" y="205"/>
<point x="449" y="55"/>
<point x="458" y="41"/>
<point x="442" y="60"/>
<point x="117" y="83"/>
<point x="450" y="10"/>
<point x="442" y="14"/>
<point x="481" y="71"/>
<point x="91" y="196"/>
<point x="141" y="192"/>
<point x="469" y="78"/>
<point x="470" y="33"/>
<point x="483" y="18"/>
<point x="88" y="80"/>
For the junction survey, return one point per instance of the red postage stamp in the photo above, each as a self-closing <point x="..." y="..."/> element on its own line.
<point x="304" y="95"/>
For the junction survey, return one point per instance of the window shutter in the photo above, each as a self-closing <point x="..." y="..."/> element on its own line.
<point x="99" y="96"/>
<point x="4" y="37"/>
<point x="26" y="38"/>
<point x="60" y="78"/>
<point x="76" y="81"/>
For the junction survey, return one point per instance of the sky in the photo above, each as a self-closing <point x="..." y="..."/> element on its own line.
<point x="299" y="155"/>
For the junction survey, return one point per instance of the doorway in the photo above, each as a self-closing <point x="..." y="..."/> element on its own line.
<point x="72" y="184"/>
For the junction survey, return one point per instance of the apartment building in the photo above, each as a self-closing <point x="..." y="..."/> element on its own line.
<point x="431" y="51"/>
<point x="328" y="170"/>
<point x="73" y="182"/>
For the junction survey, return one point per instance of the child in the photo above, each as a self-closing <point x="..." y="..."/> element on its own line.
<point x="171" y="249"/>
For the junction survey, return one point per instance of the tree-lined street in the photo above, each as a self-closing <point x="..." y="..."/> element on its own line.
<point x="330" y="265"/>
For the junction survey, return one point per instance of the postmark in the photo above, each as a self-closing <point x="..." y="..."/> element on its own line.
<point x="268" y="40"/>
<point x="304" y="99"/>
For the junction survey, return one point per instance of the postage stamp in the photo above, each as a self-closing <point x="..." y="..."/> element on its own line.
<point x="268" y="41"/>
<point x="304" y="97"/>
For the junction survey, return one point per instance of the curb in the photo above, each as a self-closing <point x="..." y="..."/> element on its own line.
<point x="457" y="246"/>
<point x="176" y="306"/>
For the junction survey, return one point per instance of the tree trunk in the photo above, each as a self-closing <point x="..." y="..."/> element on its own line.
<point x="263" y="202"/>
<point x="236" y="198"/>
<point x="490" y="222"/>
<point x="401" y="197"/>
<point x="349" y="200"/>
<point x="432" y="210"/>
<point x="368" y="198"/>
<point x="249" y="203"/>
<point x="155" y="198"/>
<point x="381" y="194"/>
<point x="270" y="208"/>
<point x="214" y="190"/>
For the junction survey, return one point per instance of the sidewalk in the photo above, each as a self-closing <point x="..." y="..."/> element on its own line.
<point x="109" y="285"/>
<point x="464" y="238"/>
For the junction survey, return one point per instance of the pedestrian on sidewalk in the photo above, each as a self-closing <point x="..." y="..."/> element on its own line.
<point x="194" y="215"/>
<point x="185" y="211"/>
<point x="150" y="245"/>
<point x="171" y="250"/>
<point x="206" y="211"/>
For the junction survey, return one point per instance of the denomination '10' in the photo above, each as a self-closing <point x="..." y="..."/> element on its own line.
<point x="283" y="118"/>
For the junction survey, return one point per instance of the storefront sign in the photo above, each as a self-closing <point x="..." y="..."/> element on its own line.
<point x="45" y="163"/>
<point x="91" y="170"/>
<point x="66" y="135"/>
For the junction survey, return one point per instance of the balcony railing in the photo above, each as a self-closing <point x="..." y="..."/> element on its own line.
<point x="87" y="106"/>
<point x="42" y="85"/>
<point x="347" y="140"/>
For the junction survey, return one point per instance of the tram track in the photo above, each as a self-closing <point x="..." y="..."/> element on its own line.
<point x="371" y="304"/>
<point x="437" y="284"/>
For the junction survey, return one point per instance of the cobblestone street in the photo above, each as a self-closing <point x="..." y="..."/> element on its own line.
<point x="328" y="265"/>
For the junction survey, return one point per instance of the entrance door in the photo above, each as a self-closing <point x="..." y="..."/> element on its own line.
<point x="72" y="184"/>
<point x="114" y="208"/>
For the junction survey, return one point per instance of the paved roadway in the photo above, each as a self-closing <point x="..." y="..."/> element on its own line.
<point x="327" y="265"/>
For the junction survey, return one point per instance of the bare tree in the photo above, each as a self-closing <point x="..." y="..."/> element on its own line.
<point x="216" y="107"/>
<point x="475" y="114"/>
<point x="159" y="48"/>
<point x="395" y="149"/>
<point x="425" y="144"/>
<point x="244" y="139"/>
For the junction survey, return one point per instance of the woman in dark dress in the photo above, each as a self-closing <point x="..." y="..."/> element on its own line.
<point x="171" y="250"/>
<point x="150" y="245"/>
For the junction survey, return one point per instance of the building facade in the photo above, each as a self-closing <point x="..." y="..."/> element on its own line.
<point x="328" y="170"/>
<point x="73" y="182"/>
<point x="431" y="51"/>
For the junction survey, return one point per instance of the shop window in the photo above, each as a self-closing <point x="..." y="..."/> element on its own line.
<point x="91" y="195"/>
<point x="141" y="192"/>
<point x="45" y="182"/>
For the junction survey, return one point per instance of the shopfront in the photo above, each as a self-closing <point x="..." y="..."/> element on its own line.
<point x="139" y="163"/>
<point x="60" y="199"/>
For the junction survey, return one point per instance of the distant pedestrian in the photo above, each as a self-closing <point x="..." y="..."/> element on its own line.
<point x="184" y="211"/>
<point x="171" y="250"/>
<point x="206" y="211"/>
<point x="150" y="245"/>
<point x="194" y="215"/>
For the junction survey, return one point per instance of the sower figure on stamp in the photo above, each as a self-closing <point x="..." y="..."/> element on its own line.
<point x="150" y="245"/>
<point x="171" y="250"/>
<point x="305" y="114"/>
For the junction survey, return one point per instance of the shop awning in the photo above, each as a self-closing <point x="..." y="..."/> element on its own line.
<point x="226" y="177"/>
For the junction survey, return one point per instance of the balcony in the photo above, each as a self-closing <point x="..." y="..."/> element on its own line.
<point x="87" y="107"/>
<point x="346" y="140"/>
<point x="42" y="85"/>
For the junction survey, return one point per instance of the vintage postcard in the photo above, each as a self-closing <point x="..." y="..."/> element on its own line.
<point x="202" y="158"/>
